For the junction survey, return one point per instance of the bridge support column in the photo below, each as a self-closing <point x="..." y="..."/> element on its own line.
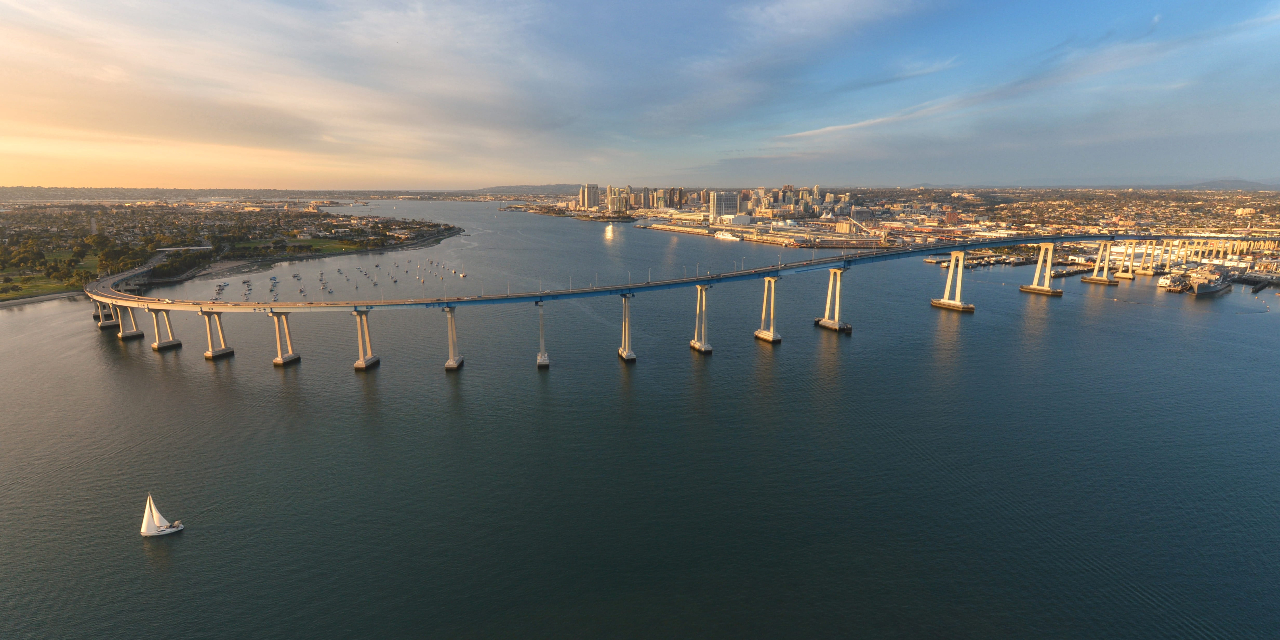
<point x="544" y="361"/>
<point x="212" y="319"/>
<point x="954" y="272"/>
<point x="1150" y="259"/>
<point x="1103" y="262"/>
<point x="1043" y="263"/>
<point x="1126" y="260"/>
<point x="284" y="353"/>
<point x="367" y="359"/>
<point x="455" y="360"/>
<point x="168" y="343"/>
<point x="831" y="312"/>
<point x="624" y="351"/>
<point x="700" y="343"/>
<point x="106" y="316"/>
<point x="132" y="334"/>
<point x="767" y="312"/>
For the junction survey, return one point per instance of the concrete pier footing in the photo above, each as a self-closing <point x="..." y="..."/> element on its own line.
<point x="834" y="325"/>
<point x="165" y="345"/>
<point x="768" y="336"/>
<point x="289" y="358"/>
<point x="952" y="305"/>
<point x="1044" y="291"/>
<point x="214" y="354"/>
<point x="1097" y="280"/>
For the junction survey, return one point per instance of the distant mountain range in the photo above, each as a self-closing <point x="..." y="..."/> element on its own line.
<point x="1231" y="184"/>
<point x="532" y="189"/>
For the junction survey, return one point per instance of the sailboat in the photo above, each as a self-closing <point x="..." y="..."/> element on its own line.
<point x="154" y="524"/>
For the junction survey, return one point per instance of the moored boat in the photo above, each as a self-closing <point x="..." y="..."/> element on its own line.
<point x="1206" y="282"/>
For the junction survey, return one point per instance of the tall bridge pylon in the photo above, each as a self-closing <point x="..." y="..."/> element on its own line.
<point x="831" y="312"/>
<point x="1044" y="264"/>
<point x="955" y="272"/>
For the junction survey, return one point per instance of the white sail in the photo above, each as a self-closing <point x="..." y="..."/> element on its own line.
<point x="148" y="521"/>
<point x="155" y="513"/>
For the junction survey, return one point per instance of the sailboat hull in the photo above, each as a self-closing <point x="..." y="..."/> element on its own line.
<point x="165" y="531"/>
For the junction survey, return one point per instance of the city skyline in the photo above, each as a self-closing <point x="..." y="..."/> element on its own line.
<point x="454" y="96"/>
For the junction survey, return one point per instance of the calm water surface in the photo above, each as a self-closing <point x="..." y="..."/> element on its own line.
<point x="1099" y="465"/>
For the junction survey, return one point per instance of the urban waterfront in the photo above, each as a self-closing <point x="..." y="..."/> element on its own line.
<point x="1102" y="464"/>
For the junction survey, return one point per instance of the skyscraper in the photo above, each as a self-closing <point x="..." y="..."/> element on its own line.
<point x="589" y="196"/>
<point x="723" y="203"/>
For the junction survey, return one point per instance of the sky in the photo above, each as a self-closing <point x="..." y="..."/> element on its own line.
<point x="453" y="95"/>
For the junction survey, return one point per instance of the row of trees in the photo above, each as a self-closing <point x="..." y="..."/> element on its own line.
<point x="181" y="262"/>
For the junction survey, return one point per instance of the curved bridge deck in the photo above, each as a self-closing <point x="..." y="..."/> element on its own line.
<point x="104" y="290"/>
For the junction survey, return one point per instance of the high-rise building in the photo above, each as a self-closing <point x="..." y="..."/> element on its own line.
<point x="589" y="196"/>
<point x="723" y="203"/>
<point x="618" y="200"/>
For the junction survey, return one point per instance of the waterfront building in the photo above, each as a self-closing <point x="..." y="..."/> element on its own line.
<point x="588" y="196"/>
<point x="723" y="203"/>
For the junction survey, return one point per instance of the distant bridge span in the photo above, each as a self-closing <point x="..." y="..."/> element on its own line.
<point x="103" y="290"/>
<point x="110" y="299"/>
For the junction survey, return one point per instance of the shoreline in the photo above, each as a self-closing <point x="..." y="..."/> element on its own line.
<point x="218" y="269"/>
<point x="232" y="266"/>
<point x="44" y="297"/>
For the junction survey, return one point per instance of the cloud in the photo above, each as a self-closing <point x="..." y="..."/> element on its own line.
<point x="909" y="72"/>
<point x="1066" y="66"/>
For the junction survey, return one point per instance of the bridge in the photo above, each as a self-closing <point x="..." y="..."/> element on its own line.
<point x="113" y="305"/>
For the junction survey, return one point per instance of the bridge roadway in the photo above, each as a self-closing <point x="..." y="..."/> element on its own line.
<point x="104" y="291"/>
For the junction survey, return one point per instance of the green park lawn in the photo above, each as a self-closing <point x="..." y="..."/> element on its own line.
<point x="36" y="284"/>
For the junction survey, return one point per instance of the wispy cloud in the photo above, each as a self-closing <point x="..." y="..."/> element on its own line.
<point x="1067" y="66"/>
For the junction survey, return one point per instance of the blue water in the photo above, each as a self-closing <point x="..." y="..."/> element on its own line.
<point x="1098" y="465"/>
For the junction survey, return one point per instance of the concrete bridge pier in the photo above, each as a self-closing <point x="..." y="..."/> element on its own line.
<point x="1150" y="259"/>
<point x="212" y="318"/>
<point x="1126" y="260"/>
<point x="106" y="316"/>
<point x="1043" y="263"/>
<point x="625" y="351"/>
<point x="1103" y="262"/>
<point x="168" y="343"/>
<point x="767" y="312"/>
<point x="367" y="359"/>
<point x="700" y="343"/>
<point x="831" y="312"/>
<point x="544" y="361"/>
<point x="455" y="360"/>
<point x="284" y="353"/>
<point x="955" y="271"/>
<point x="132" y="334"/>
